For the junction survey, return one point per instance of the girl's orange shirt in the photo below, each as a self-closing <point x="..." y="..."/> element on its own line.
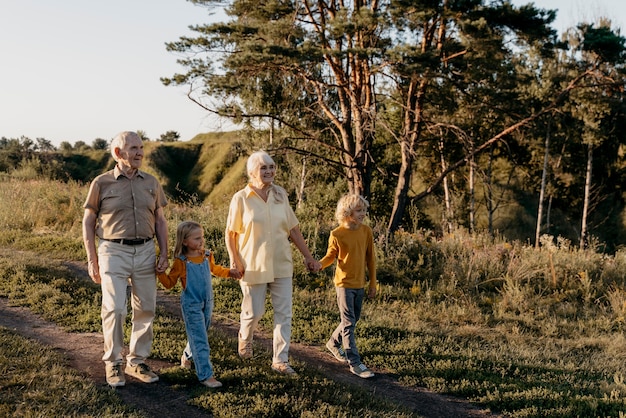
<point x="179" y="271"/>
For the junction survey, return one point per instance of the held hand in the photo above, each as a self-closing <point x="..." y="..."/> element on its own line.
<point x="234" y="274"/>
<point x="94" y="271"/>
<point x="162" y="265"/>
<point x="371" y="293"/>
<point x="313" y="265"/>
<point x="239" y="267"/>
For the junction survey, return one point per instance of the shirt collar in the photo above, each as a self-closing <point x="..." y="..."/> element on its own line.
<point x="250" y="190"/>
<point x="117" y="172"/>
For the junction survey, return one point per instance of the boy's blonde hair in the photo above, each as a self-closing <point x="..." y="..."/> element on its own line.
<point x="183" y="231"/>
<point x="347" y="204"/>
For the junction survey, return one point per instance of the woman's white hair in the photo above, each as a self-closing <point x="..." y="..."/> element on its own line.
<point x="256" y="160"/>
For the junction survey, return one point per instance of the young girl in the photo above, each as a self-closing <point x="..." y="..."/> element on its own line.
<point x="193" y="266"/>
<point x="352" y="245"/>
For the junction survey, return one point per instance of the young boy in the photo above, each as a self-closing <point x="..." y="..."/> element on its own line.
<point x="352" y="245"/>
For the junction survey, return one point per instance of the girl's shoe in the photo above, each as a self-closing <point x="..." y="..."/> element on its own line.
<point x="211" y="382"/>
<point x="185" y="363"/>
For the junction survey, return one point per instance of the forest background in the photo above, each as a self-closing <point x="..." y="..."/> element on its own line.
<point x="445" y="115"/>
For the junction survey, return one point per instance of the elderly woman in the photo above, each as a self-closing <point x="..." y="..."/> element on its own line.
<point x="259" y="228"/>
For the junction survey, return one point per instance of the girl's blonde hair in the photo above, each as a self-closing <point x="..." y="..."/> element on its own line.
<point x="256" y="160"/>
<point x="183" y="231"/>
<point x="347" y="203"/>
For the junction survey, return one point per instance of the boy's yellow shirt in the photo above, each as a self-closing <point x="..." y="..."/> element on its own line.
<point x="354" y="251"/>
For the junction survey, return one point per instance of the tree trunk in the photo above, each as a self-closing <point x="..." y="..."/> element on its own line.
<point x="448" y="215"/>
<point x="300" y="191"/>
<point x="542" y="191"/>
<point x="402" y="188"/>
<point x="472" y="193"/>
<point x="583" y="227"/>
<point x="489" y="195"/>
<point x="412" y="127"/>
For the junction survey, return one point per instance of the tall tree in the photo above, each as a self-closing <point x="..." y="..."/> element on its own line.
<point x="604" y="51"/>
<point x="326" y="77"/>
<point x="307" y="66"/>
<point x="459" y="44"/>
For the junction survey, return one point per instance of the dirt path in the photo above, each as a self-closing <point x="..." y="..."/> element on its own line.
<point x="84" y="351"/>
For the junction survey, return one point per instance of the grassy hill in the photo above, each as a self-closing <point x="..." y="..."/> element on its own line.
<point x="208" y="169"/>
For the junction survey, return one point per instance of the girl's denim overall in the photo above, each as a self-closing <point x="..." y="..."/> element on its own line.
<point x="196" y="302"/>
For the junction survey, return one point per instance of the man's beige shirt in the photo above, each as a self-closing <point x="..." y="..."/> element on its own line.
<point x="125" y="207"/>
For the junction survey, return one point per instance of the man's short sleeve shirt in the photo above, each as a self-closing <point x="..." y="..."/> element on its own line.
<point x="125" y="207"/>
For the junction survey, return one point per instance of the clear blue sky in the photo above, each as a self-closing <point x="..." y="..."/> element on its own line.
<point x="77" y="70"/>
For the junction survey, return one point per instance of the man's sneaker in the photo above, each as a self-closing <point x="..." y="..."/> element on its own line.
<point x="141" y="372"/>
<point x="362" y="371"/>
<point x="283" y="368"/>
<point x="245" y="349"/>
<point x="114" y="375"/>
<point x="185" y="363"/>
<point x="337" y="352"/>
<point x="212" y="383"/>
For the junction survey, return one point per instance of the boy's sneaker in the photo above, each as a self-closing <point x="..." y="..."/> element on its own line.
<point x="283" y="368"/>
<point x="361" y="370"/>
<point x="114" y="375"/>
<point x="337" y="352"/>
<point x="245" y="349"/>
<point x="212" y="383"/>
<point x="141" y="372"/>
<point x="185" y="363"/>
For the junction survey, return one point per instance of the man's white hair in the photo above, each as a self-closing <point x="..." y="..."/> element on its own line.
<point x="120" y="141"/>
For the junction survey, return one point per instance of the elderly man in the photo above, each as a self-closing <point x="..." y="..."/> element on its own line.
<point x="124" y="210"/>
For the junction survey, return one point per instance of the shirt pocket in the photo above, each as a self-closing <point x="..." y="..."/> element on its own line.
<point x="112" y="201"/>
<point x="147" y="199"/>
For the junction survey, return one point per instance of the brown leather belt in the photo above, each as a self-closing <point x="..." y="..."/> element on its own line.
<point x="124" y="241"/>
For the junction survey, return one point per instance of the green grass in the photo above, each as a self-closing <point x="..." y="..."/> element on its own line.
<point x="35" y="381"/>
<point x="526" y="332"/>
<point x="47" y="287"/>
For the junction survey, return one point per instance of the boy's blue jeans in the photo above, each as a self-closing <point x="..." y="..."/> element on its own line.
<point x="350" y="302"/>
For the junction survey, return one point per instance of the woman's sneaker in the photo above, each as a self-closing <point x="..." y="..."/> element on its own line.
<point x="245" y="349"/>
<point x="361" y="370"/>
<point x="283" y="368"/>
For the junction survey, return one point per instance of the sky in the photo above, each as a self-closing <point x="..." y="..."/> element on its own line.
<point x="77" y="70"/>
<point x="572" y="12"/>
